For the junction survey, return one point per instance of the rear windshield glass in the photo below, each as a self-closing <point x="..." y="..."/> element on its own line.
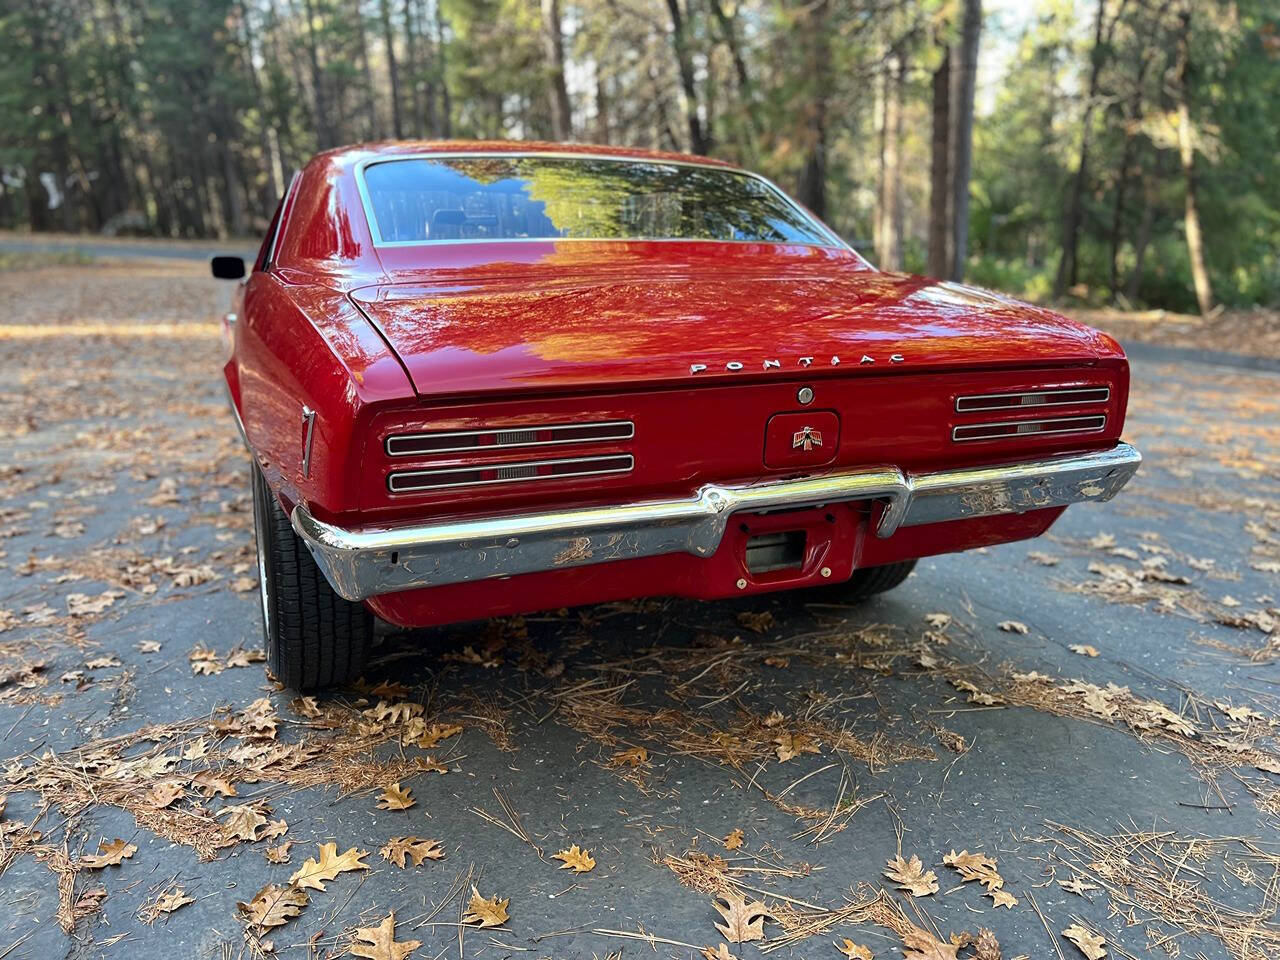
<point x="519" y="197"/>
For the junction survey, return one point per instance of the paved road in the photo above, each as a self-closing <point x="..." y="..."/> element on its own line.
<point x="126" y="548"/>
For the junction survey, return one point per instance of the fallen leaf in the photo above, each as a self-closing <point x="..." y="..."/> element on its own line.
<point x="278" y="854"/>
<point x="395" y="798"/>
<point x="485" y="913"/>
<point x="274" y="829"/>
<point x="1013" y="626"/>
<point x="579" y="861"/>
<point x="1042" y="558"/>
<point x="921" y="945"/>
<point x="110" y="854"/>
<point x="419" y="734"/>
<point x="791" y="745"/>
<point x="314" y="874"/>
<point x="379" y="943"/>
<point x="1084" y="649"/>
<point x="243" y="823"/>
<point x="1088" y="942"/>
<point x="854" y="951"/>
<point x="1003" y="898"/>
<point x="756" y="622"/>
<point x="743" y="922"/>
<point x="734" y="840"/>
<point x="274" y="906"/>
<point x="209" y="783"/>
<point x="721" y="953"/>
<point x="163" y="794"/>
<point x="1077" y="885"/>
<point x="635" y="757"/>
<point x="169" y="902"/>
<point x="397" y="848"/>
<point x="975" y="866"/>
<point x="910" y="875"/>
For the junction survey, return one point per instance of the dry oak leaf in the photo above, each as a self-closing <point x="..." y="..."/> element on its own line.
<point x="910" y="875"/>
<point x="169" y="902"/>
<point x="975" y="866"/>
<point x="274" y="830"/>
<point x="1084" y="649"/>
<point x="314" y="874"/>
<point x="734" y="840"/>
<point x="579" y="861"/>
<point x="1003" y="898"/>
<point x="1077" y="885"/>
<point x="419" y="734"/>
<point x="854" y="951"/>
<point x="210" y="783"/>
<point x="395" y="798"/>
<point x="279" y="854"/>
<point x="379" y="943"/>
<point x="791" y="745"/>
<point x="1086" y="941"/>
<point x="417" y="850"/>
<point x="635" y="757"/>
<point x="720" y="953"/>
<point x="743" y="922"/>
<point x="110" y="854"/>
<point x="274" y="906"/>
<point x="243" y="823"/>
<point x="163" y="794"/>
<point x="485" y="913"/>
<point x="1013" y="626"/>
<point x="921" y="945"/>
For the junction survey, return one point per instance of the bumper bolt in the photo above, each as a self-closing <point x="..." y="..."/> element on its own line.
<point x="825" y="571"/>
<point x="742" y="584"/>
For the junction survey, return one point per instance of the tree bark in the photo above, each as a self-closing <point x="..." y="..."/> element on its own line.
<point x="414" y="70"/>
<point x="393" y="70"/>
<point x="1187" y="154"/>
<point x="324" y="130"/>
<point x="962" y="135"/>
<point x="699" y="140"/>
<point x="813" y="177"/>
<point x="557" y="91"/>
<point x="939" y="264"/>
<point x="889" y="251"/>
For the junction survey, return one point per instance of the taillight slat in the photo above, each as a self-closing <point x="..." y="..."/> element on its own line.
<point x="437" y="478"/>
<point x="1094" y="423"/>
<point x="507" y="438"/>
<point x="1067" y="396"/>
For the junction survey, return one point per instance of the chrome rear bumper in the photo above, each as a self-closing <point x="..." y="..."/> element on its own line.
<point x="366" y="562"/>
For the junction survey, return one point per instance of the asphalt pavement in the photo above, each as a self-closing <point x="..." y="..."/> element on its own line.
<point x="1006" y="700"/>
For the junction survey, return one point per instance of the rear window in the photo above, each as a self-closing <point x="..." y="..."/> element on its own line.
<point x="522" y="197"/>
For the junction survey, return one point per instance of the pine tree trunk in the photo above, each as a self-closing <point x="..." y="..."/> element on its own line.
<point x="1187" y="153"/>
<point x="699" y="140"/>
<point x="962" y="135"/>
<point x="813" y="177"/>
<point x="557" y="92"/>
<point x="889" y="251"/>
<point x="388" y="39"/>
<point x="414" y="72"/>
<point x="940" y="172"/>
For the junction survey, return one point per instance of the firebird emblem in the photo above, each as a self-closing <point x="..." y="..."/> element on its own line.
<point x="806" y="439"/>
<point x="737" y="366"/>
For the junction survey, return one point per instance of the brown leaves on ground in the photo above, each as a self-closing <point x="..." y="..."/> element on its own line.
<point x="166" y="903"/>
<point x="398" y="848"/>
<point x="379" y="943"/>
<point x="743" y="922"/>
<point x="920" y="944"/>
<point x="110" y="854"/>
<point x="279" y="854"/>
<point x="485" y="913"/>
<point x="720" y="953"/>
<point x="910" y="875"/>
<point x="854" y="951"/>
<point x="635" y="757"/>
<point x="274" y="906"/>
<point x="980" y="867"/>
<point x="314" y="874"/>
<point x="1013" y="626"/>
<point x="1084" y="649"/>
<point x="417" y="733"/>
<point x="242" y="824"/>
<point x="734" y="840"/>
<point x="1087" y="942"/>
<point x="757" y="622"/>
<point x="395" y="798"/>
<point x="575" y="859"/>
<point x="791" y="745"/>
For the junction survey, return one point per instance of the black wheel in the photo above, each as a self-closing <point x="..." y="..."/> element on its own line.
<point x="314" y="638"/>
<point x="869" y="581"/>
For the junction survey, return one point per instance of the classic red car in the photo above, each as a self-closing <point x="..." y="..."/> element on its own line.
<point x="480" y="379"/>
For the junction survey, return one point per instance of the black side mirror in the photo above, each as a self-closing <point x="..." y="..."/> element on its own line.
<point x="227" y="268"/>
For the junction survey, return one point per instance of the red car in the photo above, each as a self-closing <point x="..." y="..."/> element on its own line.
<point x="480" y="379"/>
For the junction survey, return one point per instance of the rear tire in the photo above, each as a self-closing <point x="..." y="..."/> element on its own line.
<point x="868" y="581"/>
<point x="313" y="637"/>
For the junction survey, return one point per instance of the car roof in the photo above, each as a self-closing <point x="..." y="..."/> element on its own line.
<point x="349" y="156"/>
